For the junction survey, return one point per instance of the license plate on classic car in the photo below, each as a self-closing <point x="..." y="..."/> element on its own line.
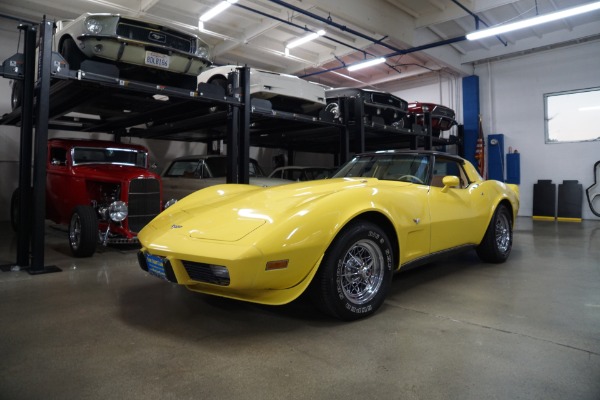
<point x="156" y="266"/>
<point x="157" y="59"/>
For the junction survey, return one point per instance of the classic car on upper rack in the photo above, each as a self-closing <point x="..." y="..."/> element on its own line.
<point x="187" y="174"/>
<point x="340" y="239"/>
<point x="285" y="92"/>
<point x="144" y="50"/>
<point x="379" y="107"/>
<point x="132" y="48"/>
<point x="102" y="190"/>
<point x="442" y="117"/>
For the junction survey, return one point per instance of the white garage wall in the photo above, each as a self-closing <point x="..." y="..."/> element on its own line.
<point x="512" y="103"/>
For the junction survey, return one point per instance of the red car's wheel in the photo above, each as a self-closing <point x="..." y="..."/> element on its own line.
<point x="83" y="231"/>
<point x="356" y="272"/>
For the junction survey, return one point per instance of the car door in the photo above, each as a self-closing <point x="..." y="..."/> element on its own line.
<point x="454" y="213"/>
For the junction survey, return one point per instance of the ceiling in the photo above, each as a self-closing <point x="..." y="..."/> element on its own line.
<point x="418" y="37"/>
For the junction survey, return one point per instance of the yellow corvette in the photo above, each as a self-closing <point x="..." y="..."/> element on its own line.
<point x="340" y="238"/>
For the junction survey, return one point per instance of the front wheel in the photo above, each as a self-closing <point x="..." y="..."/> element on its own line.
<point x="497" y="242"/>
<point x="83" y="231"/>
<point x="356" y="272"/>
<point x="72" y="54"/>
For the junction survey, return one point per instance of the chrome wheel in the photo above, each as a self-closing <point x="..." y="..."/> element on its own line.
<point x="503" y="233"/>
<point x="75" y="232"/>
<point x="497" y="241"/>
<point x="362" y="271"/>
<point x="83" y="231"/>
<point x="356" y="272"/>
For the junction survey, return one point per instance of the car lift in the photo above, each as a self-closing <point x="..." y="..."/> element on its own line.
<point x="271" y="128"/>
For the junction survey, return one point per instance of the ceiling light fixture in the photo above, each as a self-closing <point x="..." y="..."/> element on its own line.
<point x="218" y="9"/>
<point x="366" y="64"/>
<point x="526" y="23"/>
<point x="305" y="39"/>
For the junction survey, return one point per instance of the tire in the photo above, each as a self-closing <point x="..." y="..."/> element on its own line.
<point x="16" y="94"/>
<point x="72" y="54"/>
<point x="221" y="82"/>
<point x="83" y="231"/>
<point x="356" y="273"/>
<point x="497" y="241"/>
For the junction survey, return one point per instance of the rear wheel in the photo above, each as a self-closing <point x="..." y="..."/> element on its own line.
<point x="356" y="272"/>
<point x="497" y="242"/>
<point x="83" y="231"/>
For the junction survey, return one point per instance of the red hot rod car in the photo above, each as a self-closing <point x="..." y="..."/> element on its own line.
<point x="102" y="190"/>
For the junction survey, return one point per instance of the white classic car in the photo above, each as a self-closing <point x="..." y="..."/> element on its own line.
<point x="143" y="50"/>
<point x="140" y="49"/>
<point x="285" y="92"/>
<point x="188" y="174"/>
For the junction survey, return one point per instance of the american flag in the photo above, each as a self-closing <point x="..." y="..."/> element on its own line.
<point x="480" y="151"/>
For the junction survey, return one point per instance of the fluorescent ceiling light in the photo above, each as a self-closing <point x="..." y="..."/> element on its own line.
<point x="591" y="108"/>
<point x="304" y="39"/>
<point x="219" y="8"/>
<point x="366" y="64"/>
<point x="526" y="23"/>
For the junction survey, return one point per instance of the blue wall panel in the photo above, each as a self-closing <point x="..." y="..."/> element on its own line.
<point x="470" y="116"/>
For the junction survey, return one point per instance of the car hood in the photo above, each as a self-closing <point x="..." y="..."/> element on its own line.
<point x="112" y="172"/>
<point x="230" y="212"/>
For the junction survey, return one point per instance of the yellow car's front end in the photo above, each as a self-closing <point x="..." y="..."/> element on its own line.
<point x="266" y="252"/>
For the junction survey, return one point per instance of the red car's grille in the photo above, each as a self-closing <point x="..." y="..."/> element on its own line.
<point x="143" y="203"/>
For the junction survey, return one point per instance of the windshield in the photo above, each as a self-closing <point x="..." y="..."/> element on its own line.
<point x="393" y="167"/>
<point x="217" y="167"/>
<point x="93" y="155"/>
<point x="210" y="167"/>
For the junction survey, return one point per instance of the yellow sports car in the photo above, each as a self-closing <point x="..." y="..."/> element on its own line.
<point x="341" y="238"/>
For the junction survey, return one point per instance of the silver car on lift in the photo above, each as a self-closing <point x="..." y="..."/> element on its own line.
<point x="187" y="174"/>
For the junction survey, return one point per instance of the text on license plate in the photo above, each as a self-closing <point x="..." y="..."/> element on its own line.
<point x="156" y="266"/>
<point x="157" y="59"/>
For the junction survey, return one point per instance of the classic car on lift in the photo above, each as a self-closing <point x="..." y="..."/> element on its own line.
<point x="285" y="92"/>
<point x="442" y="117"/>
<point x="136" y="49"/>
<point x="379" y="107"/>
<point x="187" y="174"/>
<point x="102" y="190"/>
<point x="340" y="238"/>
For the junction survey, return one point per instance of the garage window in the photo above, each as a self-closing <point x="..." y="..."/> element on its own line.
<point x="572" y="116"/>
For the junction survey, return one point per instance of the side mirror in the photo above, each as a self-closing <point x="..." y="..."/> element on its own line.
<point x="450" y="181"/>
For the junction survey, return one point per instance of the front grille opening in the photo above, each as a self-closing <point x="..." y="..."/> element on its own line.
<point x="143" y="202"/>
<point x="149" y="33"/>
<point x="215" y="274"/>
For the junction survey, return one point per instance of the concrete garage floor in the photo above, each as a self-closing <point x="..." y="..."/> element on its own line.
<point x="104" y="329"/>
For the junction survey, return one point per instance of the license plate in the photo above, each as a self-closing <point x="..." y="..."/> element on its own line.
<point x="156" y="266"/>
<point x="157" y="59"/>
